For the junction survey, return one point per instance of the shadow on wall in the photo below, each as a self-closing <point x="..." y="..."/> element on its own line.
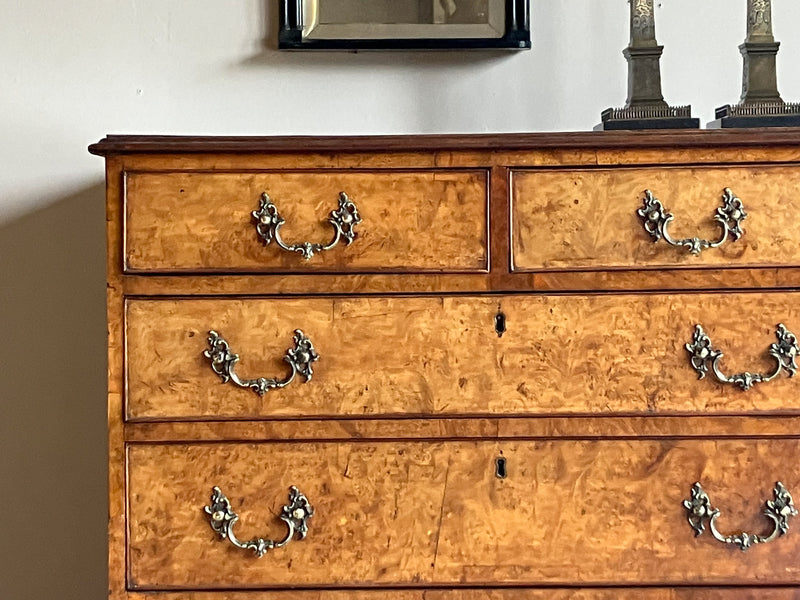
<point x="52" y="401"/>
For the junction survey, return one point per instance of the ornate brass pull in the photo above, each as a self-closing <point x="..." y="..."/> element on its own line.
<point x="343" y="219"/>
<point x="656" y="220"/>
<point x="295" y="514"/>
<point x="700" y="511"/>
<point x="223" y="361"/>
<point x="702" y="356"/>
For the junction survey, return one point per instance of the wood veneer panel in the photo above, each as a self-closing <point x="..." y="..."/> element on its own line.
<point x="582" y="219"/>
<point x="248" y="285"/>
<point x="492" y="594"/>
<point x="183" y="221"/>
<point x="163" y="155"/>
<point x="115" y="304"/>
<point x="568" y="513"/>
<point x="412" y="356"/>
<point x="483" y="428"/>
<point x="675" y="279"/>
<point x="485" y="158"/>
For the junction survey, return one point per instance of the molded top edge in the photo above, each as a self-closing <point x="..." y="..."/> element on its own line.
<point x="168" y="144"/>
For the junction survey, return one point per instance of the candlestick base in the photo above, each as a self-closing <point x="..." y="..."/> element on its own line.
<point x="647" y="117"/>
<point x="757" y="114"/>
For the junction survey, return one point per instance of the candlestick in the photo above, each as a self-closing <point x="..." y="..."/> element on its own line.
<point x="760" y="104"/>
<point x="645" y="107"/>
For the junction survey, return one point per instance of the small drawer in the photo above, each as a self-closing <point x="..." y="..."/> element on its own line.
<point x="410" y="221"/>
<point x="565" y="513"/>
<point x="460" y="355"/>
<point x="589" y="219"/>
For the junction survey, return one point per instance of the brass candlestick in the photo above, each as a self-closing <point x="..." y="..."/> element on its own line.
<point x="645" y="107"/>
<point x="760" y="105"/>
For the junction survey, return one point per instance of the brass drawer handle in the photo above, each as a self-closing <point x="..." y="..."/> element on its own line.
<point x="700" y="511"/>
<point x="295" y="514"/>
<point x="343" y="219"/>
<point x="702" y="356"/>
<point x="300" y="359"/>
<point x="656" y="220"/>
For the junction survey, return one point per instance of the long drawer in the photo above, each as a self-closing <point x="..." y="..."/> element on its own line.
<point x="584" y="219"/>
<point x="459" y="355"/>
<point x="414" y="221"/>
<point x="445" y="513"/>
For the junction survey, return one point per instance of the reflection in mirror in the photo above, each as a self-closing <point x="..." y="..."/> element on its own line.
<point x="404" y="19"/>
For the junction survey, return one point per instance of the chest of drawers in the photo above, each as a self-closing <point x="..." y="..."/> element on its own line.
<point x="454" y="367"/>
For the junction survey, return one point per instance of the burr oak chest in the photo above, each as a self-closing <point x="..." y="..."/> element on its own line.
<point x="481" y="367"/>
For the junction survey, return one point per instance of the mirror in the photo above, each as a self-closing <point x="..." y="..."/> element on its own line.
<point x="386" y="24"/>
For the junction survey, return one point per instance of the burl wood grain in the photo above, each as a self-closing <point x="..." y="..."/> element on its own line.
<point x="418" y="221"/>
<point x="571" y="361"/>
<point x="115" y="303"/>
<point x="665" y="279"/>
<point x="633" y="593"/>
<point x="504" y="428"/>
<point x="497" y="281"/>
<point x="568" y="513"/>
<point x="586" y="219"/>
<point x="398" y="356"/>
<point x="308" y="284"/>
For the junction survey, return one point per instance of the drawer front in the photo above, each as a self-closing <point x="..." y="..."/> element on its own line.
<point x="402" y="356"/>
<point x="410" y="221"/>
<point x="587" y="219"/>
<point x="420" y="513"/>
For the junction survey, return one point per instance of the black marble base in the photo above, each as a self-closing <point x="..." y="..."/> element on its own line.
<point x="787" y="115"/>
<point x="660" y="123"/>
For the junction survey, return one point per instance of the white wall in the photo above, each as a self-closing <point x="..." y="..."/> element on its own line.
<point x="73" y="71"/>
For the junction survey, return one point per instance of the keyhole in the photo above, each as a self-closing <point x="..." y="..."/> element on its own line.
<point x="500" y="470"/>
<point x="500" y="323"/>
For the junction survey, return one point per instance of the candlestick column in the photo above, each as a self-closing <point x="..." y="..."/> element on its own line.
<point x="760" y="50"/>
<point x="645" y="107"/>
<point x="760" y="104"/>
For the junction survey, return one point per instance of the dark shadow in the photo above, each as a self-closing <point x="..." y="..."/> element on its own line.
<point x="53" y="401"/>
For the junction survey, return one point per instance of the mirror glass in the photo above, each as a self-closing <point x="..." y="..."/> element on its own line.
<point x="403" y="19"/>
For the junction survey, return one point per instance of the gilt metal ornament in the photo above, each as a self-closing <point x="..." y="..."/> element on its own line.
<point x="656" y="220"/>
<point x="701" y="512"/>
<point x="344" y="220"/>
<point x="300" y="359"/>
<point x="704" y="358"/>
<point x="295" y="514"/>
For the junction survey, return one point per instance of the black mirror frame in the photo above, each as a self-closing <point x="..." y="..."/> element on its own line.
<point x="517" y="35"/>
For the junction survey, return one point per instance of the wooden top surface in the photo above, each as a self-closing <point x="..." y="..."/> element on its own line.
<point x="135" y="144"/>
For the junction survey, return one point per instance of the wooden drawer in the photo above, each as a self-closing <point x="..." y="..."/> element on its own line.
<point x="436" y="513"/>
<point x="402" y="356"/>
<point x="587" y="219"/>
<point x="434" y="220"/>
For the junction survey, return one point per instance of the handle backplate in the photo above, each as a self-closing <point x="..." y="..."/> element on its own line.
<point x="656" y="220"/>
<point x="295" y="514"/>
<point x="343" y="220"/>
<point x="704" y="357"/>
<point x="701" y="512"/>
<point x="300" y="359"/>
